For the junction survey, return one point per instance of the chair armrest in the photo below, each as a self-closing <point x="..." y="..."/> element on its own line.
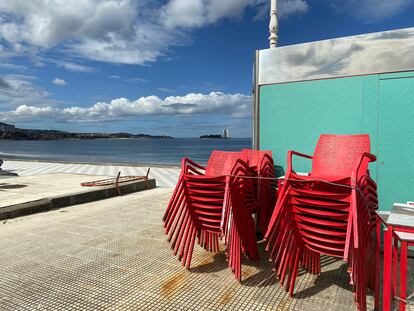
<point x="187" y="164"/>
<point x="268" y="157"/>
<point x="365" y="158"/>
<point x="370" y="156"/>
<point x="290" y="155"/>
<point x="239" y="163"/>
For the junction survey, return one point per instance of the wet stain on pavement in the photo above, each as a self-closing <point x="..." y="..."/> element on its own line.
<point x="172" y="284"/>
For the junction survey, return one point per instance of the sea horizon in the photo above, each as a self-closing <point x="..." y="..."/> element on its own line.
<point x="131" y="151"/>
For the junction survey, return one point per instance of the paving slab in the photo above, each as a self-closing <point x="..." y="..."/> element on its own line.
<point x="113" y="255"/>
<point x="23" y="195"/>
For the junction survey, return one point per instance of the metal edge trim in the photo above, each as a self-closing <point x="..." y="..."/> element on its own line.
<point x="340" y="77"/>
<point x="256" y="104"/>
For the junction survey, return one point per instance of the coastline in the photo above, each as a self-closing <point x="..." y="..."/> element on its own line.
<point x="126" y="138"/>
<point x="136" y="164"/>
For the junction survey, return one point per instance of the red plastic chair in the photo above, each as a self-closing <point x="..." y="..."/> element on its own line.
<point x="215" y="167"/>
<point x="328" y="212"/>
<point x="212" y="205"/>
<point x="262" y="166"/>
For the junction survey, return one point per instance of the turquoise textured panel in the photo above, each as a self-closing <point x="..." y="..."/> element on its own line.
<point x="396" y="140"/>
<point x="293" y="115"/>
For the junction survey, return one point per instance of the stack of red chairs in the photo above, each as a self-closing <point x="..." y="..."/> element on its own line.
<point x="262" y="166"/>
<point x="210" y="203"/>
<point x="328" y="212"/>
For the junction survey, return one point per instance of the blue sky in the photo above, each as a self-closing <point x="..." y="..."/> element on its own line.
<point x="176" y="67"/>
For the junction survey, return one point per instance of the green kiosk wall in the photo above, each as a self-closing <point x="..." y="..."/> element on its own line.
<point x="294" y="114"/>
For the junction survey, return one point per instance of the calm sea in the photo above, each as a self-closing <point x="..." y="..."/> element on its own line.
<point x="150" y="151"/>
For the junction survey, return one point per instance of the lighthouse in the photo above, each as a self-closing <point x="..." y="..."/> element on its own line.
<point x="226" y="133"/>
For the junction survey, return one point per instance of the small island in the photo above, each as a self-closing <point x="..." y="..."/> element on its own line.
<point x="212" y="136"/>
<point x="225" y="135"/>
<point x="8" y="131"/>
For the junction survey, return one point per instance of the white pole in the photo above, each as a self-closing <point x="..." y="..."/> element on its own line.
<point x="273" y="25"/>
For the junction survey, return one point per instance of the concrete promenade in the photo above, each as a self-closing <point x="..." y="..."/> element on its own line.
<point x="35" y="193"/>
<point x="19" y="190"/>
<point x="113" y="255"/>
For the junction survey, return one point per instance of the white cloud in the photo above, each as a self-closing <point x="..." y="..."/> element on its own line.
<point x="16" y="90"/>
<point x="290" y="7"/>
<point x="118" y="31"/>
<point x="59" y="82"/>
<point x="70" y="66"/>
<point x="165" y="89"/>
<point x="46" y="23"/>
<point x="9" y="66"/>
<point x="134" y="80"/>
<point x="372" y="10"/>
<point x="197" y="13"/>
<point x="4" y="84"/>
<point x="115" y="31"/>
<point x="233" y="105"/>
<point x="34" y="111"/>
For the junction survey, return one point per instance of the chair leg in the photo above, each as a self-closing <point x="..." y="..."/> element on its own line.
<point x="191" y="248"/>
<point x="403" y="275"/>
<point x="294" y="273"/>
<point x="387" y="269"/>
<point x="377" y="264"/>
<point x="394" y="267"/>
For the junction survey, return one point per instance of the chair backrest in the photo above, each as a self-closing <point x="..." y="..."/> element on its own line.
<point x="221" y="162"/>
<point x="205" y="203"/>
<point x="254" y="157"/>
<point x="336" y="155"/>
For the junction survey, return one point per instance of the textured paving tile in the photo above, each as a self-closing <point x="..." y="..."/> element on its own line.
<point x="112" y="255"/>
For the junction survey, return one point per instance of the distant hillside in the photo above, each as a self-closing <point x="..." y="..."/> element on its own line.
<point x="128" y="135"/>
<point x="34" y="134"/>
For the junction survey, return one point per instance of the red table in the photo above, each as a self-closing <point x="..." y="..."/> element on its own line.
<point x="399" y="228"/>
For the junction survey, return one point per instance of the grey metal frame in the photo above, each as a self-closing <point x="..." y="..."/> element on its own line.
<point x="374" y="53"/>
<point x="256" y="104"/>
